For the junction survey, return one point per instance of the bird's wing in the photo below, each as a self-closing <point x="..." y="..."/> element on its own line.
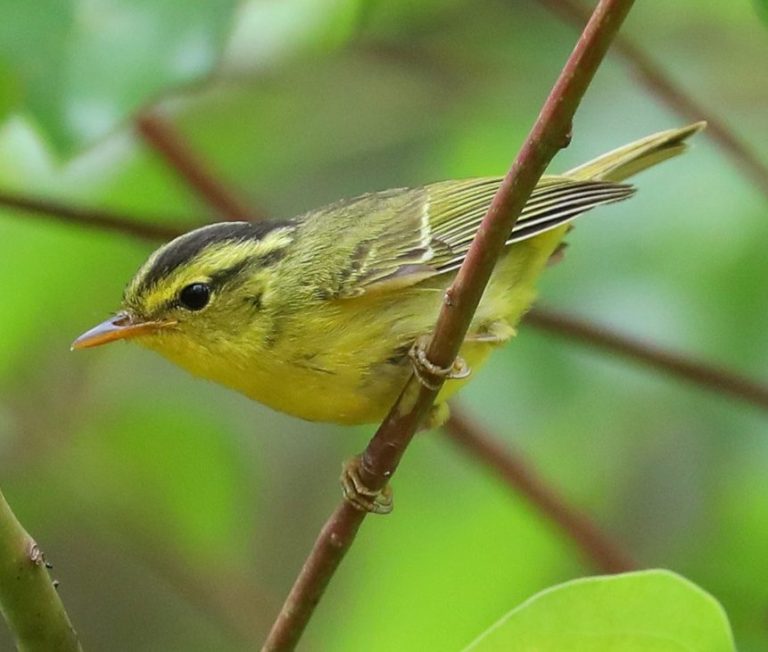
<point x="456" y="210"/>
<point x="428" y="231"/>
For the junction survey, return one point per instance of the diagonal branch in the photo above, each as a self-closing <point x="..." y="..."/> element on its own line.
<point x="605" y="555"/>
<point x="662" y="86"/>
<point x="722" y="381"/>
<point x="163" y="137"/>
<point x="28" y="598"/>
<point x="384" y="452"/>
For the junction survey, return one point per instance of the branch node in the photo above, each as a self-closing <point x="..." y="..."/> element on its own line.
<point x="35" y="554"/>
<point x="567" y="136"/>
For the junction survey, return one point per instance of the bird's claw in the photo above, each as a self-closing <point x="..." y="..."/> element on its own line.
<point x="359" y="495"/>
<point x="427" y="371"/>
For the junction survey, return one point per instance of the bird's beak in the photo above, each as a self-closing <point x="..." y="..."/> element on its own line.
<point x="122" y="326"/>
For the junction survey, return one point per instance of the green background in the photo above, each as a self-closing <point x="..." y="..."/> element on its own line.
<point x="176" y="513"/>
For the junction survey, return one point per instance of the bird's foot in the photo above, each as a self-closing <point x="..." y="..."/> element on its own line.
<point x="360" y="496"/>
<point x="428" y="372"/>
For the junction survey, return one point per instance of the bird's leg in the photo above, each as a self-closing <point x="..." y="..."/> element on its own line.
<point x="427" y="371"/>
<point x="380" y="502"/>
<point x="360" y="496"/>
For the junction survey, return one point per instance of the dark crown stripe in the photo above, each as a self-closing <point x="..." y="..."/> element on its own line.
<point x="186" y="247"/>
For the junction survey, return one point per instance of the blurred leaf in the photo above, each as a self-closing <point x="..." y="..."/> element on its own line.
<point x="78" y="256"/>
<point x="199" y="505"/>
<point x="83" y="66"/>
<point x="399" y="15"/>
<point x="269" y="31"/>
<point x="761" y="6"/>
<point x="9" y="89"/>
<point x="649" y="611"/>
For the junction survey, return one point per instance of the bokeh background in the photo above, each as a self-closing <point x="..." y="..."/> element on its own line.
<point x="176" y="513"/>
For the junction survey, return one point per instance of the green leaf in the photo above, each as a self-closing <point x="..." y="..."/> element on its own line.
<point x="647" y="611"/>
<point x="82" y="67"/>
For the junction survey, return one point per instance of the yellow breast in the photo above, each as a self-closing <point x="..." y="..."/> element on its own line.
<point x="346" y="360"/>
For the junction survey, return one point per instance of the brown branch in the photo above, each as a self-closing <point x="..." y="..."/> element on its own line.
<point x="717" y="379"/>
<point x="383" y="453"/>
<point x="605" y="555"/>
<point x="29" y="600"/>
<point x="331" y="545"/>
<point x="163" y="137"/>
<point x="663" y="87"/>
<point x="90" y="217"/>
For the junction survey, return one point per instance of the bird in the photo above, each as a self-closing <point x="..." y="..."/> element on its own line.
<point x="317" y="316"/>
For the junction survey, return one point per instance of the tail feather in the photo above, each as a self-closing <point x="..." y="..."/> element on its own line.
<point x="630" y="159"/>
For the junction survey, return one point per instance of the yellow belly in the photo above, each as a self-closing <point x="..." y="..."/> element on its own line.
<point x="347" y="361"/>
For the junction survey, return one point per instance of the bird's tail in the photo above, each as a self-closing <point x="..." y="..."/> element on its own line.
<point x="630" y="159"/>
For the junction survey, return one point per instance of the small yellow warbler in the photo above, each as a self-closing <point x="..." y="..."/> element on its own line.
<point x="315" y="316"/>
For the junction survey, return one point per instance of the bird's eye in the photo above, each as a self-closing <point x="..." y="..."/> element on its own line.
<point x="195" y="296"/>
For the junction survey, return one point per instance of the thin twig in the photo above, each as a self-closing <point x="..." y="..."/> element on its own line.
<point x="722" y="381"/>
<point x="163" y="137"/>
<point x="663" y="87"/>
<point x="28" y="598"/>
<point x="604" y="554"/>
<point x="383" y="453"/>
<point x="90" y="217"/>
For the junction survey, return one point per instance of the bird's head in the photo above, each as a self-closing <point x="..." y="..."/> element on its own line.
<point x="201" y="292"/>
